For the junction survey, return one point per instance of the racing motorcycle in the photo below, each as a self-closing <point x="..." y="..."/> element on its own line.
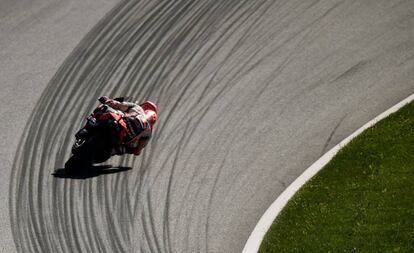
<point x="94" y="141"/>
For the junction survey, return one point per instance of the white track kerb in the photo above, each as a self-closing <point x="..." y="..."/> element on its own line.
<point x="256" y="237"/>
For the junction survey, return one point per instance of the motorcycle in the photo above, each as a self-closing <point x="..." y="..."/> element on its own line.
<point x="94" y="142"/>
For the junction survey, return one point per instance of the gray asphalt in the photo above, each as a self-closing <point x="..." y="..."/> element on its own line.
<point x="250" y="94"/>
<point x="35" y="38"/>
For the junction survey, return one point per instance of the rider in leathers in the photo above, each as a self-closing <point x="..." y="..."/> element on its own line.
<point x="139" y="119"/>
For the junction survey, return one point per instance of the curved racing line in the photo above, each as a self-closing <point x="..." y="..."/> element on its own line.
<point x="242" y="87"/>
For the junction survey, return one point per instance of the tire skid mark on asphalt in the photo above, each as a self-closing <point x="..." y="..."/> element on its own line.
<point x="71" y="105"/>
<point x="73" y="78"/>
<point x="197" y="60"/>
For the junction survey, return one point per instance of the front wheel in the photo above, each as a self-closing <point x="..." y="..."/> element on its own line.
<point x="85" y="153"/>
<point x="75" y="164"/>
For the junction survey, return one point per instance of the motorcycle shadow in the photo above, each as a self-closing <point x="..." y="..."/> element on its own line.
<point x="89" y="172"/>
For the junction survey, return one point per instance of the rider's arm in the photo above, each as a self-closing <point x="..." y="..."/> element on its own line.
<point x="122" y="106"/>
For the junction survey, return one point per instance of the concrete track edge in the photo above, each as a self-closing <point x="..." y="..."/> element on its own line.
<point x="256" y="237"/>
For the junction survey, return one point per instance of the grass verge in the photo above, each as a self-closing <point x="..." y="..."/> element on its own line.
<point x="361" y="201"/>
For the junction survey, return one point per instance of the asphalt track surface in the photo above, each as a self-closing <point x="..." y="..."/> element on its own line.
<point x="35" y="38"/>
<point x="250" y="94"/>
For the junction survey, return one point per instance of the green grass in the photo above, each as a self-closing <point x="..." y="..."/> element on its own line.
<point x="362" y="201"/>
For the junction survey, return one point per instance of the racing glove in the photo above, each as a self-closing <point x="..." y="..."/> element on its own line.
<point x="104" y="99"/>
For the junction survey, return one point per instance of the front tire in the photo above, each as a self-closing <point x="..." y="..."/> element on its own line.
<point x="76" y="163"/>
<point x="85" y="152"/>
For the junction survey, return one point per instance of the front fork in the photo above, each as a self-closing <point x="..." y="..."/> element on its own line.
<point x="84" y="133"/>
